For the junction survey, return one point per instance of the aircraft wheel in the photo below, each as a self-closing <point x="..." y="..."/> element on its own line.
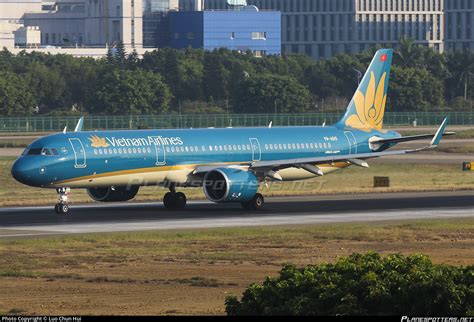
<point x="169" y="200"/>
<point x="256" y="203"/>
<point x="174" y="200"/>
<point x="180" y="200"/>
<point x="61" y="209"/>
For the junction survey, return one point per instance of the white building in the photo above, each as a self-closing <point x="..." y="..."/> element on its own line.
<point x="74" y="23"/>
<point x="29" y="37"/>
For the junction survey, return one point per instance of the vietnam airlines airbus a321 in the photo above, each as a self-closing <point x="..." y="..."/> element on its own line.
<point x="229" y="164"/>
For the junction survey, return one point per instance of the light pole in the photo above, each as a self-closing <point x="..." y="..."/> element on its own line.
<point x="359" y="75"/>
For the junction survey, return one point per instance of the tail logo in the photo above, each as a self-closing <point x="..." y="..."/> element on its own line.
<point x="369" y="107"/>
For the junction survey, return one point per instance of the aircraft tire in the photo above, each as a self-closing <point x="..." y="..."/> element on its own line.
<point x="175" y="200"/>
<point x="256" y="203"/>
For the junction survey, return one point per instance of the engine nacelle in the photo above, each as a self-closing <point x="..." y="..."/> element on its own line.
<point x="227" y="185"/>
<point x="113" y="194"/>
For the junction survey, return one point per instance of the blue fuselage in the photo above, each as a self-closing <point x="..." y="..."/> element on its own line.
<point x="104" y="158"/>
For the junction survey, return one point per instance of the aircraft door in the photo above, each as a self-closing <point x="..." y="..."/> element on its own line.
<point x="256" y="152"/>
<point x="351" y="139"/>
<point x="79" y="153"/>
<point x="159" y="151"/>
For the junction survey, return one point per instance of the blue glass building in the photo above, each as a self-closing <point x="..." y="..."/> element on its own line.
<point x="242" y="30"/>
<point x="155" y="22"/>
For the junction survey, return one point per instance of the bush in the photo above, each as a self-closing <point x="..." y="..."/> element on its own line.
<point x="362" y="284"/>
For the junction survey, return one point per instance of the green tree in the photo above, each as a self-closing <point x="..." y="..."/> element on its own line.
<point x="47" y="85"/>
<point x="269" y="93"/>
<point x="414" y="89"/>
<point x="460" y="82"/>
<point x="123" y="92"/>
<point x="362" y="284"/>
<point x="15" y="96"/>
<point x="215" y="77"/>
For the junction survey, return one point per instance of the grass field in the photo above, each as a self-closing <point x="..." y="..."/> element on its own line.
<point x="191" y="272"/>
<point x="404" y="177"/>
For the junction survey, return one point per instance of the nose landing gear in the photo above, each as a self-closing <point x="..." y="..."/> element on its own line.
<point x="62" y="207"/>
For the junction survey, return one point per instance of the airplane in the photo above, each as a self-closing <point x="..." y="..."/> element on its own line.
<point x="229" y="163"/>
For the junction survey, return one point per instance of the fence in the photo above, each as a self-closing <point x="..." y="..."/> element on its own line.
<point x="55" y="124"/>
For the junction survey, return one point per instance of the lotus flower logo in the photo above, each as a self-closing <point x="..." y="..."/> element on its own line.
<point x="97" y="142"/>
<point x="371" y="107"/>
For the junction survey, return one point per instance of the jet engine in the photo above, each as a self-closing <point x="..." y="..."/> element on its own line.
<point x="228" y="185"/>
<point x="113" y="194"/>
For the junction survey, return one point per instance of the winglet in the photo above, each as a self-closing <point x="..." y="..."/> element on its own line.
<point x="439" y="134"/>
<point x="79" y="125"/>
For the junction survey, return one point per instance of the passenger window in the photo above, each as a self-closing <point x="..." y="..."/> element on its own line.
<point x="95" y="152"/>
<point x="210" y="148"/>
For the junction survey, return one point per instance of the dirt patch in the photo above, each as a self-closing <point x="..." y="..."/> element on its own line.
<point x="192" y="272"/>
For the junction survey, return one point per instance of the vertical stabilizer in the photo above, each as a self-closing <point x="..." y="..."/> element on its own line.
<point x="367" y="107"/>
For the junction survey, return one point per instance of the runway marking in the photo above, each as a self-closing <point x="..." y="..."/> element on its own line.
<point x="240" y="221"/>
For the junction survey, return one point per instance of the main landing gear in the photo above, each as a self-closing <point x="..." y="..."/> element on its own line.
<point x="256" y="203"/>
<point x="62" y="207"/>
<point x="174" y="200"/>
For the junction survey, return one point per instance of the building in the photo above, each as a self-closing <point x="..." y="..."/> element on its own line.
<point x="323" y="28"/>
<point x="89" y="23"/>
<point x="77" y="23"/>
<point x="155" y="21"/>
<point x="28" y="37"/>
<point x="459" y="21"/>
<point x="242" y="30"/>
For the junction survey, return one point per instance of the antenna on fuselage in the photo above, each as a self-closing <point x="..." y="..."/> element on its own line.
<point x="270" y="124"/>
<point x="79" y="125"/>
<point x="65" y="129"/>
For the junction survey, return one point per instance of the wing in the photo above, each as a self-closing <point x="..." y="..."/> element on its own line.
<point x="268" y="168"/>
<point x="310" y="164"/>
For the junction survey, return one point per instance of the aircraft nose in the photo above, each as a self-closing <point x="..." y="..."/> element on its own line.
<point x="20" y="171"/>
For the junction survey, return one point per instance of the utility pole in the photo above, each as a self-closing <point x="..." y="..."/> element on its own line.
<point x="359" y="75"/>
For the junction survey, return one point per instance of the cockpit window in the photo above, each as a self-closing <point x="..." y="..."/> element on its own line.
<point x="34" y="151"/>
<point x="45" y="151"/>
<point x="55" y="151"/>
